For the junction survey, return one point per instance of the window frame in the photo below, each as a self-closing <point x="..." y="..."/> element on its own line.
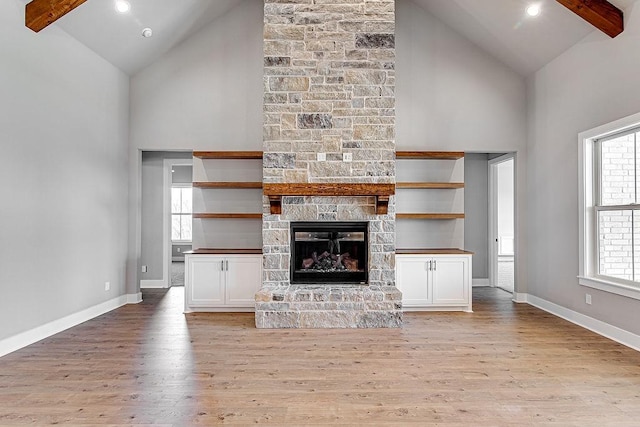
<point x="171" y="214"/>
<point x="589" y="171"/>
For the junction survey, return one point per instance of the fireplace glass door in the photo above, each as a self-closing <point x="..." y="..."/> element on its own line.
<point x="329" y="252"/>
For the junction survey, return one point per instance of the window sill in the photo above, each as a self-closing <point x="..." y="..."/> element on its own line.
<point x="610" y="286"/>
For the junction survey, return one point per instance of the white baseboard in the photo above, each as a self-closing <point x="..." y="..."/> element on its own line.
<point x="153" y="284"/>
<point x="519" y="297"/>
<point x="599" y="327"/>
<point x="16" y="342"/>
<point x="134" y="298"/>
<point x="480" y="282"/>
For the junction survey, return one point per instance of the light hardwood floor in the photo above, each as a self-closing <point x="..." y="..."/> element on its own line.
<point x="505" y="364"/>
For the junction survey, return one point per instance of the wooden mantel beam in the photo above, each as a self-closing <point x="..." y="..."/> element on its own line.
<point x="41" y="13"/>
<point x="599" y="13"/>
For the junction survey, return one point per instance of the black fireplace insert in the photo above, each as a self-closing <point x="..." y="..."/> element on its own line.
<point x="329" y="252"/>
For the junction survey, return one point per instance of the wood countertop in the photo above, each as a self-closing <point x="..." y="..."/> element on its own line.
<point x="433" y="251"/>
<point x="403" y="251"/>
<point x="224" y="251"/>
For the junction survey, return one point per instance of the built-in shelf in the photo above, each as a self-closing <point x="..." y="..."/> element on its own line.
<point x="227" y="215"/>
<point x="430" y="185"/>
<point x="225" y="184"/>
<point x="429" y="216"/>
<point x="382" y="193"/>
<point x="228" y="154"/>
<point x="425" y="155"/>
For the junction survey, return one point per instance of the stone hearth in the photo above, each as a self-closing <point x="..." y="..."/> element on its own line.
<point x="329" y="84"/>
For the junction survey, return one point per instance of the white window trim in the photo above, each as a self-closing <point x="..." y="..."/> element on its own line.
<point x="587" y="234"/>
<point x="180" y="185"/>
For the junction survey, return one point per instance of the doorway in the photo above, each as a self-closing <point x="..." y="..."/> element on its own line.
<point x="156" y="243"/>
<point x="502" y="222"/>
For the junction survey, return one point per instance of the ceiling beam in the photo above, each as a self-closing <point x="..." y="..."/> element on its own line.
<point x="41" y="13"/>
<point x="599" y="13"/>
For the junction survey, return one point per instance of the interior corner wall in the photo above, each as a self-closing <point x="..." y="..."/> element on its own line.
<point x="64" y="180"/>
<point x="204" y="94"/>
<point x="476" y="210"/>
<point x="593" y="83"/>
<point x="452" y="95"/>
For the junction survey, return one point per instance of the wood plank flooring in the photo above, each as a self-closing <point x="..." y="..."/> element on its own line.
<point x="149" y="364"/>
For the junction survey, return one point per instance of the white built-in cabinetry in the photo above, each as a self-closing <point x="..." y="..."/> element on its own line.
<point x="434" y="280"/>
<point x="224" y="272"/>
<point x="222" y="282"/>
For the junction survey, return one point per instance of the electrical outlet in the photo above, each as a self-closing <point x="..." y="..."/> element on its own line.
<point x="321" y="157"/>
<point x="144" y="268"/>
<point x="587" y="299"/>
<point x="347" y="157"/>
<point x="179" y="250"/>
<point x="107" y="286"/>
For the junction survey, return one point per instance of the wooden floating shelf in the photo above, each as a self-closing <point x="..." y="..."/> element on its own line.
<point x="430" y="185"/>
<point x="382" y="193"/>
<point x="227" y="215"/>
<point x="429" y="216"/>
<point x="425" y="155"/>
<point x="228" y="154"/>
<point x="225" y="184"/>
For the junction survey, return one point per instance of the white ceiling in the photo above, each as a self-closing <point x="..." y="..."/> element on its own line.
<point x="118" y="37"/>
<point x="499" y="27"/>
<point x="503" y="29"/>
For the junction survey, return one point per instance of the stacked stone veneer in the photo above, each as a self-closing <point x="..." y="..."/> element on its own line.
<point x="329" y="87"/>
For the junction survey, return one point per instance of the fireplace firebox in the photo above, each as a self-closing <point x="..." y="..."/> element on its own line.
<point x="329" y="252"/>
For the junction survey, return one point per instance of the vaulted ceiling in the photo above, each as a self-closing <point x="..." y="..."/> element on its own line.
<point x="500" y="27"/>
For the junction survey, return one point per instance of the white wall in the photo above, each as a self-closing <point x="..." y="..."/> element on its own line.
<point x="451" y="95"/>
<point x="593" y="83"/>
<point x="476" y="210"/>
<point x="205" y="94"/>
<point x="64" y="178"/>
<point x="504" y="172"/>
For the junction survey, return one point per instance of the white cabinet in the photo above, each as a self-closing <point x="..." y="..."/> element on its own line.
<point x="434" y="282"/>
<point x="222" y="282"/>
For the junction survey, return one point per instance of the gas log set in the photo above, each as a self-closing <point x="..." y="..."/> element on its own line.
<point x="330" y="262"/>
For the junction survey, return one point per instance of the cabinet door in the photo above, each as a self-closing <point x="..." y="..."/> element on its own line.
<point x="450" y="280"/>
<point x="412" y="274"/>
<point x="205" y="281"/>
<point x="244" y="279"/>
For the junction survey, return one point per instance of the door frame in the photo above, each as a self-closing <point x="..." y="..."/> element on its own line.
<point x="493" y="216"/>
<point x="167" y="243"/>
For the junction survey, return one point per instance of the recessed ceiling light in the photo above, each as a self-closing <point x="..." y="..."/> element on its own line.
<point x="147" y="32"/>
<point x="123" y="6"/>
<point x="533" y="10"/>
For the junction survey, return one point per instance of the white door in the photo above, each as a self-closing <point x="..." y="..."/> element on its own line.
<point x="244" y="277"/>
<point x="412" y="279"/>
<point x="206" y="277"/>
<point x="450" y="283"/>
<point x="502" y="222"/>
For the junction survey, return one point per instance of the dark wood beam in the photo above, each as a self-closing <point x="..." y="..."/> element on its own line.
<point x="599" y="13"/>
<point x="41" y="13"/>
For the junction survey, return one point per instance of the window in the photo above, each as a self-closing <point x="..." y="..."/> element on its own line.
<point x="181" y="214"/>
<point x="610" y="207"/>
<point x="617" y="209"/>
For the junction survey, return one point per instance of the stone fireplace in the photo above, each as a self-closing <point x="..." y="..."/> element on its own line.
<point x="329" y="158"/>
